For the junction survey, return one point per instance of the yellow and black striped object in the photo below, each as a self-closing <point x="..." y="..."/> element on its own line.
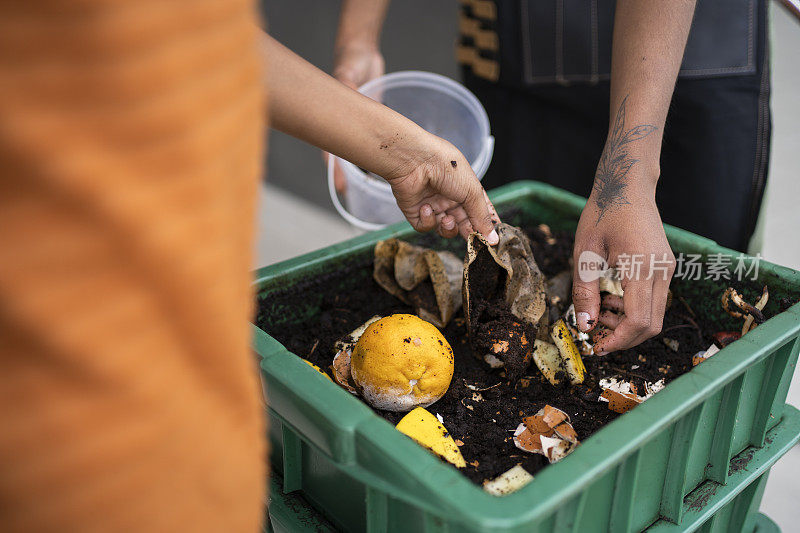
<point x="478" y="45"/>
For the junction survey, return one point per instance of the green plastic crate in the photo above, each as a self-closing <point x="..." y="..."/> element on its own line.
<point x="365" y="476"/>
<point x="711" y="508"/>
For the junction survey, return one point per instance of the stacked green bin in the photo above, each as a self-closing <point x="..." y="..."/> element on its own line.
<point x="634" y="473"/>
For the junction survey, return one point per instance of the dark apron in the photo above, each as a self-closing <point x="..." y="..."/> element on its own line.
<point x="541" y="69"/>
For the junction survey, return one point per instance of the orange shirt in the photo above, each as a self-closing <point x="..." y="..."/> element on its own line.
<point x="130" y="150"/>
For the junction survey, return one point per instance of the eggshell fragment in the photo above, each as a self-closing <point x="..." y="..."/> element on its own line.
<point x="652" y="388"/>
<point x="620" y="402"/>
<point x="581" y="338"/>
<point x="552" y="416"/>
<point x="526" y="440"/>
<point x="699" y="357"/>
<point x="500" y="347"/>
<point x="567" y="432"/>
<point x="618" y="385"/>
<point x="537" y="424"/>
<point x="622" y="395"/>
<point x="558" y="452"/>
<point x="555" y="449"/>
<point x="547" y="433"/>
<point x="509" y="481"/>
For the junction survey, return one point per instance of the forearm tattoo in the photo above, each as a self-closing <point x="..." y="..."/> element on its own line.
<point x="610" y="180"/>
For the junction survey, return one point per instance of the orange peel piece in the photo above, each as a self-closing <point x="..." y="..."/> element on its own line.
<point x="341" y="371"/>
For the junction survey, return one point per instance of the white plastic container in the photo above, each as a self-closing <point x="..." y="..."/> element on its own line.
<point x="439" y="105"/>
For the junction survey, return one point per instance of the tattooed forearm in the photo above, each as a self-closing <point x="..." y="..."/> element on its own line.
<point x="610" y="180"/>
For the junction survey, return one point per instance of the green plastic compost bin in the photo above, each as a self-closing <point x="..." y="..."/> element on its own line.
<point x="362" y="475"/>
<point x="711" y="507"/>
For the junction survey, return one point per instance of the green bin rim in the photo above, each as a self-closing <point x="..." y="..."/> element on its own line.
<point x="297" y="514"/>
<point x="592" y="459"/>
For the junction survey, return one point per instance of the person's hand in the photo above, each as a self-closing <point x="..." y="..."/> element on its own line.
<point x="629" y="235"/>
<point x="354" y="65"/>
<point x="440" y="191"/>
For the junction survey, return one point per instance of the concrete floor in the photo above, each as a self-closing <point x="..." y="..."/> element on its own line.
<point x="289" y="225"/>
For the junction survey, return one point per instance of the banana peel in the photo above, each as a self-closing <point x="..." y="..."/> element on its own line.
<point x="548" y="359"/>
<point x="561" y="356"/>
<point x="427" y="431"/>
<point x="571" y="357"/>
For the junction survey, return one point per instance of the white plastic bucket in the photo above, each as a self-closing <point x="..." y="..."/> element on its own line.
<point x="439" y="105"/>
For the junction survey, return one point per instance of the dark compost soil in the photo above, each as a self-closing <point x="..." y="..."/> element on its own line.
<point x="310" y="316"/>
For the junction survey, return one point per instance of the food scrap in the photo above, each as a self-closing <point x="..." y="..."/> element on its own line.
<point x="724" y="338"/>
<point x="318" y="369"/>
<point x="401" y="362"/>
<point x="622" y="396"/>
<point x="430" y="433"/>
<point x="429" y="280"/>
<point x="580" y="338"/>
<point x="548" y="360"/>
<point x="513" y="314"/>
<point x="341" y="371"/>
<point x="751" y="313"/>
<point x="672" y="344"/>
<point x="504" y="299"/>
<point x="341" y="361"/>
<point x="699" y="357"/>
<point x="509" y="481"/>
<point x="611" y="283"/>
<point x="548" y="432"/>
<point x="570" y="356"/>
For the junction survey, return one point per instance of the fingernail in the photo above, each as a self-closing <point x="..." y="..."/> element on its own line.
<point x="448" y="223"/>
<point x="426" y="210"/>
<point x="493" y="238"/>
<point x="583" y="321"/>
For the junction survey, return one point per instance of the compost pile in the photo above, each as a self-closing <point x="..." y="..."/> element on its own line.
<point x="494" y="409"/>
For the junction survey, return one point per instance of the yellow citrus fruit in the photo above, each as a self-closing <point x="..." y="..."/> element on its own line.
<point x="401" y="362"/>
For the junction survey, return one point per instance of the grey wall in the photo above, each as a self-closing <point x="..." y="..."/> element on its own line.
<point x="417" y="35"/>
